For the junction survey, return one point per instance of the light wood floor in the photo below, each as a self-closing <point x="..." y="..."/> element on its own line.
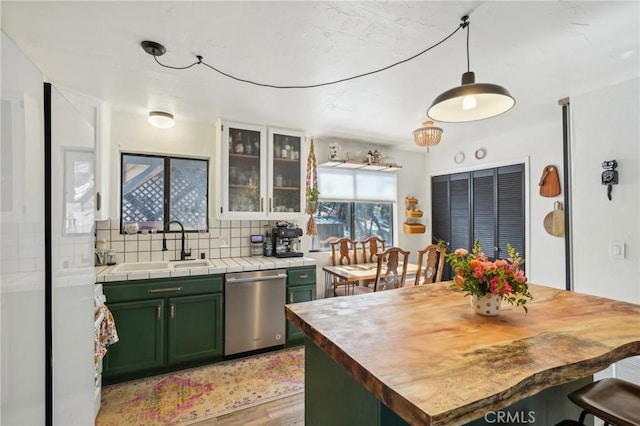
<point x="287" y="411"/>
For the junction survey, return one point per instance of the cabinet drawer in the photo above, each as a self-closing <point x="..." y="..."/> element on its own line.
<point x="301" y="276"/>
<point x="165" y="287"/>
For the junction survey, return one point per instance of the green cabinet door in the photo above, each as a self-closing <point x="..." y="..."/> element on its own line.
<point x="141" y="331"/>
<point x="295" y="294"/>
<point x="195" y="327"/>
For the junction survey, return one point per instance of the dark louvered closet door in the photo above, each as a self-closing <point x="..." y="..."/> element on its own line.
<point x="510" y="212"/>
<point x="484" y="214"/>
<point x="485" y="204"/>
<point x="459" y="189"/>
<point x="440" y="222"/>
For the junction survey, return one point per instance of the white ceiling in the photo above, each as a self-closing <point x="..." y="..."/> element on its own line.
<point x="539" y="51"/>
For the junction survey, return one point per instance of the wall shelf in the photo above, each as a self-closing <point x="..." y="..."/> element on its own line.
<point x="412" y="225"/>
<point x="350" y="164"/>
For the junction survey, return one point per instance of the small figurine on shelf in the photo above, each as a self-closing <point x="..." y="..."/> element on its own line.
<point x="370" y="157"/>
<point x="334" y="151"/>
<point x="376" y="157"/>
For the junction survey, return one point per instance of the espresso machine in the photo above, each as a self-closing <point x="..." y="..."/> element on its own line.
<point x="286" y="241"/>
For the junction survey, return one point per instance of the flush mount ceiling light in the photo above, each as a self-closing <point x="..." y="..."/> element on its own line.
<point x="471" y="101"/>
<point x="161" y="119"/>
<point x="427" y="135"/>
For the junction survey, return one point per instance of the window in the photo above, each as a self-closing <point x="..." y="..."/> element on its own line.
<point x="354" y="204"/>
<point x="156" y="190"/>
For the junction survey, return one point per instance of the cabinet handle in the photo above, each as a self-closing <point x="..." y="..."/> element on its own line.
<point x="270" y="207"/>
<point x="261" y="204"/>
<point x="159" y="312"/>
<point x="163" y="290"/>
<point x="303" y="276"/>
<point x="172" y="313"/>
<point x="98" y="201"/>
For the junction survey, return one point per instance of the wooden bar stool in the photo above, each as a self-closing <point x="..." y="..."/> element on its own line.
<point x="615" y="401"/>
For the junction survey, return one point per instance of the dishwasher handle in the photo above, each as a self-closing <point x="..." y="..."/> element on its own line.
<point x="254" y="279"/>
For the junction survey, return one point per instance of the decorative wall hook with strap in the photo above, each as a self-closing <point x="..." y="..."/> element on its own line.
<point x="549" y="182"/>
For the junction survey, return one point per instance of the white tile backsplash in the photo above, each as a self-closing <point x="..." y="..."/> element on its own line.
<point x="224" y="239"/>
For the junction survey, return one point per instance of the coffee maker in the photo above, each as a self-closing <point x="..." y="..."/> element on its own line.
<point x="286" y="241"/>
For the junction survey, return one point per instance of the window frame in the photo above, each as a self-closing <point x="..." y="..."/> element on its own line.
<point x="166" y="193"/>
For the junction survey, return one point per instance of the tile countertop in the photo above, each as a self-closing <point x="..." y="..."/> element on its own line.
<point x="220" y="266"/>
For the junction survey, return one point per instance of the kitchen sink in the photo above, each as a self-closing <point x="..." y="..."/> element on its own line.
<point x="140" y="267"/>
<point x="190" y="263"/>
<point x="160" y="265"/>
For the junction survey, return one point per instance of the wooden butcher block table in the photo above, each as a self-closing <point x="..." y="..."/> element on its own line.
<point x="420" y="355"/>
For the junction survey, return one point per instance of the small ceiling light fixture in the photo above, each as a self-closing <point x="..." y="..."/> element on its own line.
<point x="471" y="101"/>
<point x="161" y="119"/>
<point x="427" y="135"/>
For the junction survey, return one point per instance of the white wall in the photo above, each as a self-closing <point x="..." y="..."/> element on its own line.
<point x="537" y="147"/>
<point x="132" y="133"/>
<point x="605" y="126"/>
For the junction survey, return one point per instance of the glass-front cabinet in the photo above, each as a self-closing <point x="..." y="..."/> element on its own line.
<point x="260" y="172"/>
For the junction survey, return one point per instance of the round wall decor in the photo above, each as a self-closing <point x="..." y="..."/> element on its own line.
<point x="459" y="157"/>
<point x="480" y="153"/>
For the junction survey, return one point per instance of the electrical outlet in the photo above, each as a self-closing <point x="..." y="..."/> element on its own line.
<point x="617" y="249"/>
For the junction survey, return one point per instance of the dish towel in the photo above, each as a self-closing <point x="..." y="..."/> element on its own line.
<point x="105" y="332"/>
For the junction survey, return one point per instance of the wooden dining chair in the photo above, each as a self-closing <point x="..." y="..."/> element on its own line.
<point x="430" y="265"/>
<point x="371" y="248"/>
<point x="391" y="271"/>
<point x="343" y="252"/>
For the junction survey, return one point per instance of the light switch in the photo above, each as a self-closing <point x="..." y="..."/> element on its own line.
<point x="617" y="249"/>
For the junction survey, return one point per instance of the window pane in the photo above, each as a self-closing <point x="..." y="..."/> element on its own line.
<point x="142" y="191"/>
<point x="188" y="192"/>
<point x="333" y="221"/>
<point x="375" y="186"/>
<point x="374" y="219"/>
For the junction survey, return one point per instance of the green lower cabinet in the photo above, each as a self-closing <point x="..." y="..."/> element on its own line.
<point x="163" y="323"/>
<point x="195" y="328"/>
<point x="297" y="294"/>
<point x="141" y="332"/>
<point x="301" y="287"/>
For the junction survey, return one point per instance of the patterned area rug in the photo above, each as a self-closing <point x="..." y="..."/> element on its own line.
<point x="193" y="395"/>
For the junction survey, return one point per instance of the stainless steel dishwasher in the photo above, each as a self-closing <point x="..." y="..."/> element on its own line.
<point x="254" y="310"/>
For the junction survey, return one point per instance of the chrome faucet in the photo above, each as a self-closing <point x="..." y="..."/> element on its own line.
<point x="183" y="254"/>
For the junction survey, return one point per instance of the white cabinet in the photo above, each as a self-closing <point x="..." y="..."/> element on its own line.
<point x="259" y="172"/>
<point x="98" y="114"/>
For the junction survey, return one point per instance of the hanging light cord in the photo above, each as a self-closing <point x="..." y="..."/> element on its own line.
<point x="466" y="24"/>
<point x="309" y="86"/>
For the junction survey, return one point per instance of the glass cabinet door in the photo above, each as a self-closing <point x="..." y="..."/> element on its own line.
<point x="285" y="177"/>
<point x="244" y="170"/>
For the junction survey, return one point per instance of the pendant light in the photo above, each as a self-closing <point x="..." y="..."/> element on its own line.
<point x="161" y="119"/>
<point x="427" y="135"/>
<point x="471" y="101"/>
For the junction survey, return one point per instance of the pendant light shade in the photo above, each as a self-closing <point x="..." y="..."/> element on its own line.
<point x="470" y="101"/>
<point x="427" y="135"/>
<point x="161" y="119"/>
